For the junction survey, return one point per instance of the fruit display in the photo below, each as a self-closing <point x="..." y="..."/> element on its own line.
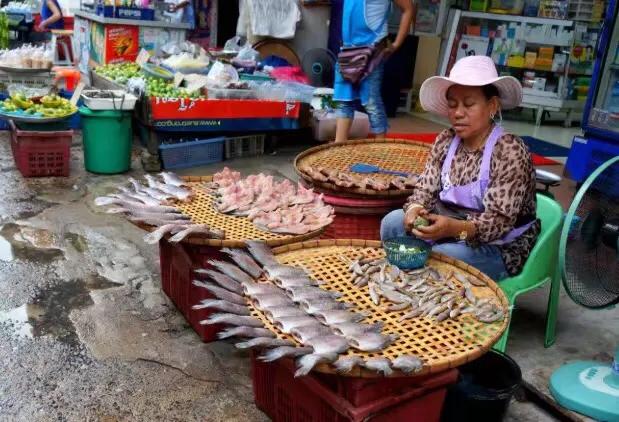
<point x="119" y="73"/>
<point x="160" y="88"/>
<point x="47" y="106"/>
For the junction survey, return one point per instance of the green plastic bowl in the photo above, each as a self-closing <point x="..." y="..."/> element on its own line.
<point x="398" y="253"/>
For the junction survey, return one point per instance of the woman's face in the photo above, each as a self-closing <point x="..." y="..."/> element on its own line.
<point x="470" y="112"/>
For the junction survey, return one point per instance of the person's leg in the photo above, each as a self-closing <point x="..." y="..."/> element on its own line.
<point x="344" y="113"/>
<point x="486" y="259"/>
<point x="393" y="225"/>
<point x="375" y="106"/>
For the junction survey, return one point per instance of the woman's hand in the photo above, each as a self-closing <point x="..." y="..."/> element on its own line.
<point x="411" y="215"/>
<point x="440" y="227"/>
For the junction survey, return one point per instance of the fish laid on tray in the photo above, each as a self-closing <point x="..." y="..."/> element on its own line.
<point x="274" y="206"/>
<point x="345" y="179"/>
<point x="425" y="292"/>
<point x="153" y="204"/>
<point x="323" y="326"/>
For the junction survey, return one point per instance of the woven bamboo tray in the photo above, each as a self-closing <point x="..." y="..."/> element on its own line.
<point x="390" y="154"/>
<point x="442" y="345"/>
<point x="237" y="229"/>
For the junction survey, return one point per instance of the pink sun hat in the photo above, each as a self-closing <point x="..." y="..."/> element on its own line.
<point x="469" y="71"/>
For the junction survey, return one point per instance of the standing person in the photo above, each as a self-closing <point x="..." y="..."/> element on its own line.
<point x="365" y="23"/>
<point x="478" y="188"/>
<point x="51" y="16"/>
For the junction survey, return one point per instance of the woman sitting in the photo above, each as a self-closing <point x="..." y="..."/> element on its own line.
<point x="477" y="191"/>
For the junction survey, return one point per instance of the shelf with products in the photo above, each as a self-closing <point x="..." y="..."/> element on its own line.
<point x="540" y="52"/>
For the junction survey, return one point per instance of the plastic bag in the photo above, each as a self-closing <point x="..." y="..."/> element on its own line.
<point x="235" y="44"/>
<point x="221" y="75"/>
<point x="247" y="53"/>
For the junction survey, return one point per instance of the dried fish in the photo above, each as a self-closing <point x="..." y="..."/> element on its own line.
<point x="156" y="235"/>
<point x="371" y="342"/>
<point x="315" y="306"/>
<point x="345" y="364"/>
<point x="223" y="280"/>
<point x="232" y="319"/>
<point x="286" y="324"/>
<point x="243" y="260"/>
<point x="293" y="291"/>
<point x="317" y="293"/>
<point x="271" y="300"/>
<point x="283" y="311"/>
<point x="249" y="332"/>
<point x="328" y="344"/>
<point x="232" y="271"/>
<point x="222" y="305"/>
<point x="379" y="364"/>
<point x="197" y="228"/>
<point x="349" y="329"/>
<point x="253" y="289"/>
<point x="306" y="363"/>
<point x="284" y="351"/>
<point x="261" y="252"/>
<point x="332" y="316"/>
<point x="172" y="179"/>
<point x="221" y="293"/>
<point x="307" y="332"/>
<point x="263" y="342"/>
<point x="407" y="363"/>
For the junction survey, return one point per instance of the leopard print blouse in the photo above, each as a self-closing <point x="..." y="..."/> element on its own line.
<point x="510" y="194"/>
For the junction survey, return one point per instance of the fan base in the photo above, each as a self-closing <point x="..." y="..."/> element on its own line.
<point x="589" y="388"/>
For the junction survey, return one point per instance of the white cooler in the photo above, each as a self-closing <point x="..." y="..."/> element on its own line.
<point x="323" y="124"/>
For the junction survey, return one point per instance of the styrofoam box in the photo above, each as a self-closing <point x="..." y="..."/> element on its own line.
<point x="324" y="123"/>
<point x="110" y="103"/>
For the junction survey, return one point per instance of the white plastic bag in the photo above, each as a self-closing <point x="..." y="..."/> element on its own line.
<point x="221" y="75"/>
<point x="235" y="43"/>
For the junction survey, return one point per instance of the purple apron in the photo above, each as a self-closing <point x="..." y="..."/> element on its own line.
<point x="471" y="196"/>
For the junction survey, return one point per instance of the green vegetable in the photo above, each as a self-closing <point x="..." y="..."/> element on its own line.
<point x="420" y="222"/>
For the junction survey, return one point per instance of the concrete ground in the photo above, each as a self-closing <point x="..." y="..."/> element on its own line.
<point x="87" y="335"/>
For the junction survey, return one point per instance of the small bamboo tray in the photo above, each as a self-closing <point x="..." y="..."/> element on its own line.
<point x="390" y="154"/>
<point x="237" y="229"/>
<point x="442" y="345"/>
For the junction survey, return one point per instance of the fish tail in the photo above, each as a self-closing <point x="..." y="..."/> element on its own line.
<point x="305" y="364"/>
<point x="275" y="354"/>
<point x="180" y="235"/>
<point x="229" y="332"/>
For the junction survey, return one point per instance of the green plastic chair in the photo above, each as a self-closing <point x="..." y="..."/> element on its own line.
<point x="541" y="267"/>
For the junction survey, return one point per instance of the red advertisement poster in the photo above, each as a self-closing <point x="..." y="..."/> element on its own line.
<point x="121" y="43"/>
<point x="163" y="109"/>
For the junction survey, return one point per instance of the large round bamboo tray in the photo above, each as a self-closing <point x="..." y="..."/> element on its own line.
<point x="237" y="229"/>
<point x="442" y="345"/>
<point x="390" y="154"/>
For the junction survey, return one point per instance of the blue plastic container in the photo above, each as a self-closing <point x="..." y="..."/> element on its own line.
<point x="192" y="153"/>
<point x="397" y="252"/>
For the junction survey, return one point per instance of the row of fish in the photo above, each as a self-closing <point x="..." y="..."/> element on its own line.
<point x="425" y="292"/>
<point x="153" y="204"/>
<point x="325" y="326"/>
<point x="349" y="180"/>
<point x="275" y="206"/>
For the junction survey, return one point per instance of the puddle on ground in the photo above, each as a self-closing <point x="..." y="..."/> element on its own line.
<point x="48" y="314"/>
<point x="13" y="245"/>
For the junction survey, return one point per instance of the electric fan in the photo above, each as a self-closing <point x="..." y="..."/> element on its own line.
<point x="589" y="261"/>
<point x="319" y="66"/>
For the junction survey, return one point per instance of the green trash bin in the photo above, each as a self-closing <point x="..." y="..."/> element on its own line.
<point x="107" y="139"/>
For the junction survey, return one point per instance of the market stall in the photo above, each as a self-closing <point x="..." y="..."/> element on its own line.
<point x="101" y="39"/>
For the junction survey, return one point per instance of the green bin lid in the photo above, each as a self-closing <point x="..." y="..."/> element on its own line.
<point x="85" y="111"/>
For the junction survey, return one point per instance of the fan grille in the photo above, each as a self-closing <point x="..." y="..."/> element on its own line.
<point x="591" y="269"/>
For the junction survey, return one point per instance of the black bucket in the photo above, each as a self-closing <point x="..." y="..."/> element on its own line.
<point x="484" y="389"/>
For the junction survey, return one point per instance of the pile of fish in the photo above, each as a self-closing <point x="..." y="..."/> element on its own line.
<point x="153" y="204"/>
<point x="345" y="179"/>
<point x="325" y="327"/>
<point x="273" y="206"/>
<point x="425" y="292"/>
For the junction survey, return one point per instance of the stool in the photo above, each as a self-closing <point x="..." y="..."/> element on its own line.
<point x="62" y="38"/>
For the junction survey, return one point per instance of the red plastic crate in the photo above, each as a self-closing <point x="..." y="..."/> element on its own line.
<point x="41" y="154"/>
<point x="358" y="218"/>
<point x="322" y="398"/>
<point x="178" y="262"/>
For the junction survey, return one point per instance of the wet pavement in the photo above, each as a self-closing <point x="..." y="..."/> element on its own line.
<point x="85" y="332"/>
